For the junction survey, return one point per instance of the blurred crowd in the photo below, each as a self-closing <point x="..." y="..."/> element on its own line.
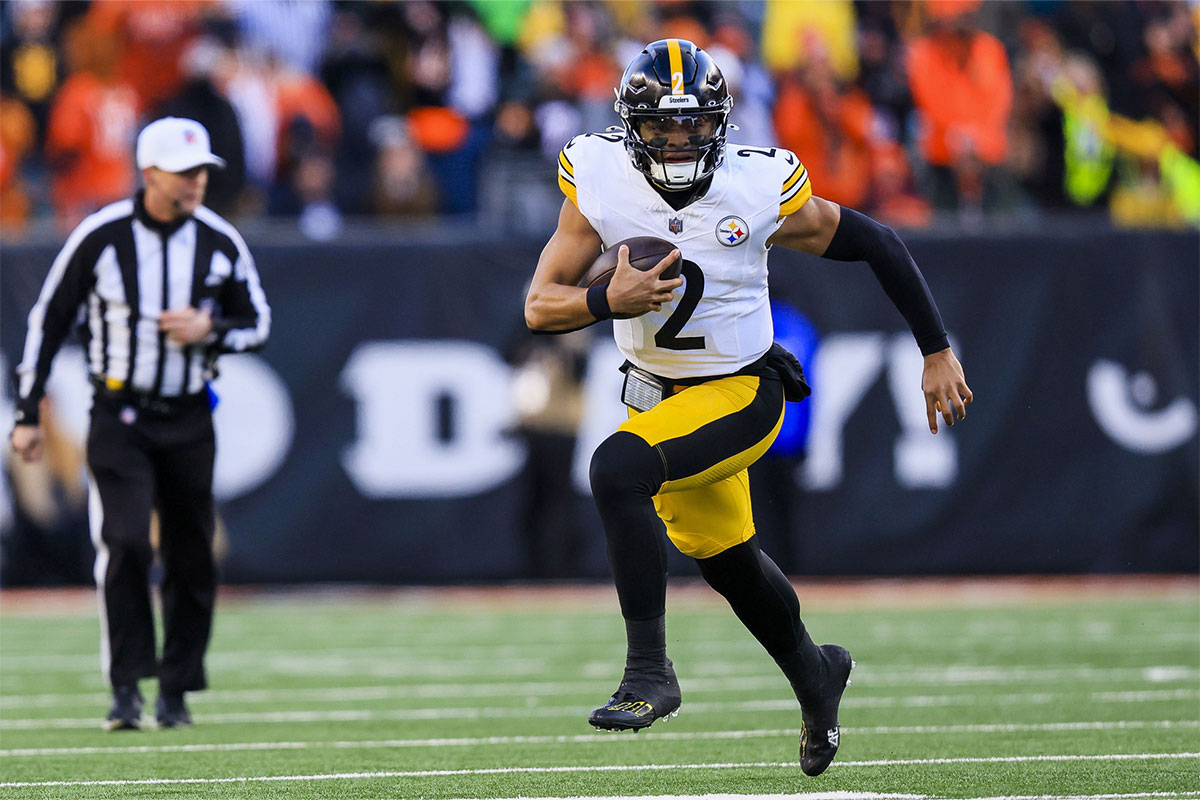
<point x="328" y="109"/>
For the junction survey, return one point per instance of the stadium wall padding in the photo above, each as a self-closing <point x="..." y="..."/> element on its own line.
<point x="373" y="439"/>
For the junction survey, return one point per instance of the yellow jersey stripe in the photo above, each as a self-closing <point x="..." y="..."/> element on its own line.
<point x="796" y="188"/>
<point x="568" y="189"/>
<point x="675" y="56"/>
<point x="566" y="163"/>
<point x="799" y="174"/>
<point x="802" y="195"/>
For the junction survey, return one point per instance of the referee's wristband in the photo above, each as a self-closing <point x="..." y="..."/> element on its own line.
<point x="597" y="302"/>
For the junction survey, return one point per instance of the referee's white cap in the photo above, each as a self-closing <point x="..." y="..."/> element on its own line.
<point x="175" y="144"/>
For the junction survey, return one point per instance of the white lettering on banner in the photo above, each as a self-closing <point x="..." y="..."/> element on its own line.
<point x="254" y="425"/>
<point x="922" y="461"/>
<point x="431" y="419"/>
<point x="68" y="386"/>
<point x="1121" y="406"/>
<point x="845" y="367"/>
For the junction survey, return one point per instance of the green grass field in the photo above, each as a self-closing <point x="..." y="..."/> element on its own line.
<point x="459" y="695"/>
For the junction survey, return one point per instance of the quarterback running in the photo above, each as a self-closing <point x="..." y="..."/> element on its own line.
<point x="704" y="382"/>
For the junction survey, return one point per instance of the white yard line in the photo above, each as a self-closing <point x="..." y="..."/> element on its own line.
<point x="785" y="705"/>
<point x="603" y="738"/>
<point x="401" y="661"/>
<point x="840" y="794"/>
<point x="844" y="794"/>
<point x="445" y="773"/>
<point x="954" y="675"/>
<point x="1129" y="796"/>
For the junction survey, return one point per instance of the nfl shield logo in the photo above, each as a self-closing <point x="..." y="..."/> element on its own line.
<point x="676" y="225"/>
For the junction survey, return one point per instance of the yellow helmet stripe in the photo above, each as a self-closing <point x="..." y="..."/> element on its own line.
<point x="675" y="55"/>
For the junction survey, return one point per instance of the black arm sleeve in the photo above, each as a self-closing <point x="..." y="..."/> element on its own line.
<point x="860" y="238"/>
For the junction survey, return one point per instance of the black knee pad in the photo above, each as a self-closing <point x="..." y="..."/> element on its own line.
<point x="624" y="464"/>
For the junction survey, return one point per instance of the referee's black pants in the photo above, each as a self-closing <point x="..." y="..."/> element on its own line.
<point x="143" y="459"/>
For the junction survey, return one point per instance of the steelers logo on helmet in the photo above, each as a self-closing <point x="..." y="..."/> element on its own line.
<point x="732" y="231"/>
<point x="674" y="105"/>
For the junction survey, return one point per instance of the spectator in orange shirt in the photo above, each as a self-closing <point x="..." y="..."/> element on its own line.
<point x="92" y="121"/>
<point x="17" y="129"/>
<point x="152" y="34"/>
<point x="828" y="126"/>
<point x="299" y="95"/>
<point x="962" y="87"/>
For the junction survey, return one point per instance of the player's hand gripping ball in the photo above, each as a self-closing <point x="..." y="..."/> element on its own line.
<point x="644" y="254"/>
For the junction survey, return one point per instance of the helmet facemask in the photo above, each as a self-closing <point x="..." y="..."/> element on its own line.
<point x="676" y="150"/>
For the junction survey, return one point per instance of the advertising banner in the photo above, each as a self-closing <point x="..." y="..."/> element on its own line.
<point x="386" y="434"/>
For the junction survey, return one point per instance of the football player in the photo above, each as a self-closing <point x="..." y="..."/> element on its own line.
<point x="703" y="380"/>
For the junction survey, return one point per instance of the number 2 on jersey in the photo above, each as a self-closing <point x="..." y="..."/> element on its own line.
<point x="668" y="336"/>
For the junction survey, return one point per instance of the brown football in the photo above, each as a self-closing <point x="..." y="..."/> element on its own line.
<point x="644" y="253"/>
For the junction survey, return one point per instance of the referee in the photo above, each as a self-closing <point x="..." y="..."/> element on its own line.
<point x="158" y="287"/>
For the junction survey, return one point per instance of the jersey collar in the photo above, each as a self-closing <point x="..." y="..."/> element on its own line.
<point x="143" y="216"/>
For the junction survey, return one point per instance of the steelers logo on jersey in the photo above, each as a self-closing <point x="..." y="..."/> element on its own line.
<point x="732" y="231"/>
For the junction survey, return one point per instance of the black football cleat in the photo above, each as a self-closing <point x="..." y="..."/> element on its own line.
<point x="819" y="731"/>
<point x="126" y="711"/>
<point x="642" y="698"/>
<point x="172" y="712"/>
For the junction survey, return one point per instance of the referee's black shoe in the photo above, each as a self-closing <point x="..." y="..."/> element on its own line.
<point x="644" y="696"/>
<point x="820" y="734"/>
<point x="171" y="711"/>
<point x="126" y="711"/>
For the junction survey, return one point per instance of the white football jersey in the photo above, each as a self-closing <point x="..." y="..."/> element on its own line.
<point x="720" y="319"/>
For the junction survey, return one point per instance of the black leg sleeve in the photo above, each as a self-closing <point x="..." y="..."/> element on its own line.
<point x="626" y="473"/>
<point x="765" y="602"/>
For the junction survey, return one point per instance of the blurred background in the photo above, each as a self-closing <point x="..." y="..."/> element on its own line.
<point x="392" y="166"/>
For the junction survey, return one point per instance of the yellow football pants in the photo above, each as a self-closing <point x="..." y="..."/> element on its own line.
<point x="707" y="435"/>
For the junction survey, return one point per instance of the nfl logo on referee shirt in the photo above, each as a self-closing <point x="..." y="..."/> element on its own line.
<point x="675" y="225"/>
<point x="732" y="231"/>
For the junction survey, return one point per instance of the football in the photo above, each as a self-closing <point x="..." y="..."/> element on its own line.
<point x="644" y="253"/>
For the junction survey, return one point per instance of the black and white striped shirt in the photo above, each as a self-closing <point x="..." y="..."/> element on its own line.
<point x="116" y="273"/>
